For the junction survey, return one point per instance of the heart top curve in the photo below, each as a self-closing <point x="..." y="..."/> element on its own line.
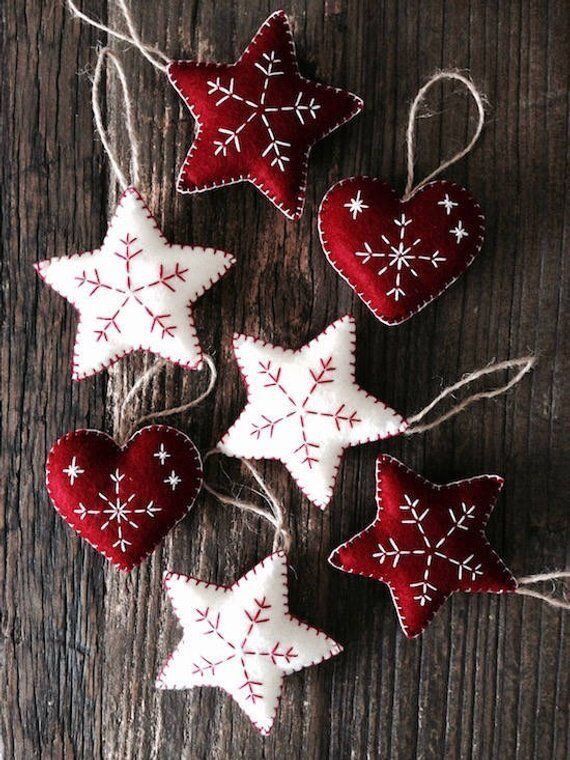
<point x="396" y="255"/>
<point x="124" y="500"/>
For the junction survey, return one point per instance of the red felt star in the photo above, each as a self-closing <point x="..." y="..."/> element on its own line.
<point x="426" y="542"/>
<point x="257" y="119"/>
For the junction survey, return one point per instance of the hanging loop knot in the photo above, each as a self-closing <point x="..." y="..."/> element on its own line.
<point x="274" y="514"/>
<point x="155" y="56"/>
<point x="104" y="55"/>
<point x="439" y="76"/>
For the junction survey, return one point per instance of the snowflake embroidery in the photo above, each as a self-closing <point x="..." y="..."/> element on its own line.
<point x="133" y="290"/>
<point x="261" y="109"/>
<point x="300" y="409"/>
<point x="433" y="548"/>
<point x="240" y="648"/>
<point x="73" y="470"/>
<point x="400" y="257"/>
<point x="116" y="511"/>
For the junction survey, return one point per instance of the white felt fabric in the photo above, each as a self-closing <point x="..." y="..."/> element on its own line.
<point x="241" y="638"/>
<point x="304" y="408"/>
<point x="135" y="292"/>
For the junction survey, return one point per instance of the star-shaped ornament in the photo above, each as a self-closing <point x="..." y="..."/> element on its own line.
<point x="135" y="292"/>
<point x="241" y="638"/>
<point x="304" y="408"/>
<point x="427" y="542"/>
<point x="257" y="119"/>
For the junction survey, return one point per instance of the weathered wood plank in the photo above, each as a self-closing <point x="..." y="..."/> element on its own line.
<point x="82" y="643"/>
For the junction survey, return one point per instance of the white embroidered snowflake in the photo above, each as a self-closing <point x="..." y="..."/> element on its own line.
<point x="401" y="257"/>
<point x="116" y="511"/>
<point x="261" y="109"/>
<point x="431" y="548"/>
<point x="459" y="231"/>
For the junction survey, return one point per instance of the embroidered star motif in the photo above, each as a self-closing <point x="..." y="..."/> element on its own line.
<point x="459" y="231"/>
<point x="241" y="638"/>
<point x="356" y="205"/>
<point x="73" y="471"/>
<point x="257" y="119"/>
<point x="173" y="480"/>
<point x="135" y="292"/>
<point x="304" y="408"/>
<point x="426" y="542"/>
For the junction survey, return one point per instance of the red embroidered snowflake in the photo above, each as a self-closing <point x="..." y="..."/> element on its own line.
<point x="241" y="638"/>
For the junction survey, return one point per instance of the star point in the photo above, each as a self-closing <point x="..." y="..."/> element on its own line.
<point x="241" y="638"/>
<point x="258" y="118"/>
<point x="305" y="408"/>
<point x="135" y="292"/>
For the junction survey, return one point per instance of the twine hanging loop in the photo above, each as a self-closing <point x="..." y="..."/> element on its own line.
<point x="274" y="514"/>
<point x="104" y="55"/>
<point x="439" y="76"/>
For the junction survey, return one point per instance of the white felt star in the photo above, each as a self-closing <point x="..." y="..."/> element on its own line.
<point x="304" y="408"/>
<point x="241" y="638"/>
<point x="135" y="292"/>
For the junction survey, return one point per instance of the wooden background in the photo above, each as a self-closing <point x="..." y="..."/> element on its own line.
<point x="81" y="643"/>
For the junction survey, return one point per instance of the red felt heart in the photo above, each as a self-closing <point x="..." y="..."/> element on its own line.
<point x="399" y="255"/>
<point x="124" y="500"/>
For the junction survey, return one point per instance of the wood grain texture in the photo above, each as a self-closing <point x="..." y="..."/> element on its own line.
<point x="81" y="643"/>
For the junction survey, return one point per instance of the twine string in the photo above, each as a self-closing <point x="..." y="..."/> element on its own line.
<point x="411" y="130"/>
<point x="142" y="383"/>
<point x="153" y="54"/>
<point x="105" y="54"/>
<point x="530" y="580"/>
<point x="524" y="365"/>
<point x="274" y="514"/>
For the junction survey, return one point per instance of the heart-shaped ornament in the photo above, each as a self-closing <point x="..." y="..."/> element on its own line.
<point x="124" y="500"/>
<point x="399" y="255"/>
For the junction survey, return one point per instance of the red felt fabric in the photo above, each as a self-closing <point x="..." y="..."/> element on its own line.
<point x="398" y="256"/>
<point x="119" y="499"/>
<point x="426" y="542"/>
<point x="241" y="99"/>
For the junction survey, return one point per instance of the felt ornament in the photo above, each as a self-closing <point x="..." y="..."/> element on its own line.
<point x="242" y="638"/>
<point x="428" y="541"/>
<point x="256" y="119"/>
<point x="137" y="291"/>
<point x="123" y="500"/>
<point x="304" y="407"/>
<point x="400" y="254"/>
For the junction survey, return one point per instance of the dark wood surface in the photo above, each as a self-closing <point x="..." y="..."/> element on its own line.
<point x="81" y="643"/>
